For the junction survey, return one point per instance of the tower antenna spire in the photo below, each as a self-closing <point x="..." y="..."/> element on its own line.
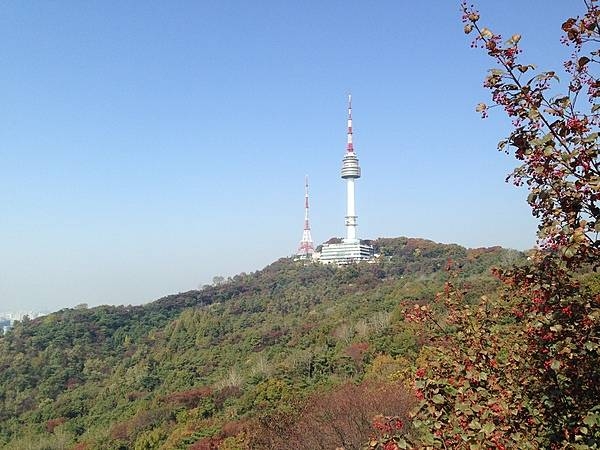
<point x="306" y="248"/>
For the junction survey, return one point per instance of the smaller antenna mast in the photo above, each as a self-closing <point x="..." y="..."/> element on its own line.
<point x="306" y="248"/>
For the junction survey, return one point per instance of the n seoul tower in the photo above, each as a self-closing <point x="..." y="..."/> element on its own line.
<point x="350" y="250"/>
<point x="350" y="172"/>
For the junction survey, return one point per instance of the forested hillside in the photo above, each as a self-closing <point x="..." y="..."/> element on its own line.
<point x="256" y="358"/>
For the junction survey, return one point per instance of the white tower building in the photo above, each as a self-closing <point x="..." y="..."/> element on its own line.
<point x="350" y="172"/>
<point x="350" y="249"/>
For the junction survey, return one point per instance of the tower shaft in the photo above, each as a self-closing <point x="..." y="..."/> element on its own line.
<point x="350" y="211"/>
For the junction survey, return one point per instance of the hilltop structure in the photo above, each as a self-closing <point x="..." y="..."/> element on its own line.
<point x="350" y="249"/>
<point x="306" y="248"/>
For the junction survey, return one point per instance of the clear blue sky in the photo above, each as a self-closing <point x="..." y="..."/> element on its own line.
<point x="146" y="147"/>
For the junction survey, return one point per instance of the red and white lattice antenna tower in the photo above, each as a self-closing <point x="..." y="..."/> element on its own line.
<point x="350" y="144"/>
<point x="306" y="248"/>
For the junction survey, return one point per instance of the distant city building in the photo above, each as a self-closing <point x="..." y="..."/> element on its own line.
<point x="350" y="249"/>
<point x="7" y="319"/>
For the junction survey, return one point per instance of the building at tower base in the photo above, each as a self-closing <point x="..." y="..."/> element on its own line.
<point x="345" y="253"/>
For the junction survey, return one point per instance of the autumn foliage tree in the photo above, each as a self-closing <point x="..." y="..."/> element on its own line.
<point x="555" y="134"/>
<point x="523" y="370"/>
<point x="555" y="137"/>
<point x="341" y="418"/>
